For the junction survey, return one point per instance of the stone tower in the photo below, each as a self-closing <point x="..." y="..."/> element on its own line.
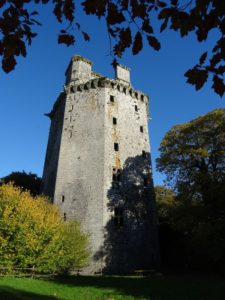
<point x="98" y="169"/>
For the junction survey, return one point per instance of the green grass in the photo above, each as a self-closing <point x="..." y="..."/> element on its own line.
<point x="165" y="287"/>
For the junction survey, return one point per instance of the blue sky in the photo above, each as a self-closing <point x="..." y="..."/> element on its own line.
<point x="31" y="89"/>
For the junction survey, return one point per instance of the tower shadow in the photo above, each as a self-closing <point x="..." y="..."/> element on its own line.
<point x="130" y="235"/>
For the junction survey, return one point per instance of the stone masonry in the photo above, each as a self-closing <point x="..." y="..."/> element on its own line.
<point x="98" y="167"/>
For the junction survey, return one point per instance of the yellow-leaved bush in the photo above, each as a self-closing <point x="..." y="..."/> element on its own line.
<point x="33" y="234"/>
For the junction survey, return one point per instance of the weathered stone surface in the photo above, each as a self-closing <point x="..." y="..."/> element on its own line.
<point x="110" y="192"/>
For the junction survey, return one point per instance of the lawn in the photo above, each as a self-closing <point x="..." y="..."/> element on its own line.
<point x="161" y="287"/>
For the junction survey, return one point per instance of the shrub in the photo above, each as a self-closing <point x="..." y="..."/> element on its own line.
<point x="33" y="234"/>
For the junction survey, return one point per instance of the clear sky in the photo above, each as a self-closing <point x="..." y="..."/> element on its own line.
<point x="31" y="89"/>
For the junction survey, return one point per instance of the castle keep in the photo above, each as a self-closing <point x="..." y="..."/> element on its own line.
<point x="98" y="170"/>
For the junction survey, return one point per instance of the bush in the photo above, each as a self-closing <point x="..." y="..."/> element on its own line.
<point x="33" y="234"/>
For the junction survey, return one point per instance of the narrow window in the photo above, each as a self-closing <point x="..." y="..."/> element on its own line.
<point x="142" y="97"/>
<point x="111" y="98"/>
<point x="71" y="108"/>
<point x="118" y="216"/>
<point x="116" y="146"/>
<point x="64" y="216"/>
<point x="70" y="119"/>
<point x="71" y="133"/>
<point x="136" y="108"/>
<point x="114" y="121"/>
<point x="141" y="129"/>
<point x="143" y="153"/>
<point x="63" y="198"/>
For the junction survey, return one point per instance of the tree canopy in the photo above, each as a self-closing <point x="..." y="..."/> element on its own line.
<point x="33" y="234"/>
<point x="129" y="23"/>
<point x="27" y="181"/>
<point x="192" y="155"/>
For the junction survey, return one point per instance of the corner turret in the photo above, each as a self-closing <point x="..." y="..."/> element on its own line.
<point x="79" y="70"/>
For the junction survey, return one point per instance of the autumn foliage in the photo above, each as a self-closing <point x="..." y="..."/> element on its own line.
<point x="33" y="235"/>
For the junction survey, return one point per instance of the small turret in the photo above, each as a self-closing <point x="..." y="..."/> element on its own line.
<point x="79" y="70"/>
<point x="123" y="74"/>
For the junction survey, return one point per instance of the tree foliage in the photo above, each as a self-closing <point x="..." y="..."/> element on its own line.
<point x="33" y="235"/>
<point x="165" y="200"/>
<point x="27" y="181"/>
<point x="192" y="155"/>
<point x="129" y="23"/>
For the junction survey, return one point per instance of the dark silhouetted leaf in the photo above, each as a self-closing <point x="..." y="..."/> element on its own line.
<point x="203" y="58"/>
<point x="215" y="59"/>
<point x="68" y="10"/>
<point x="125" y="37"/>
<point x="8" y="64"/>
<point x="34" y="13"/>
<point x="137" y="45"/>
<point x="86" y="36"/>
<point x="164" y="13"/>
<point x="153" y="42"/>
<point x="147" y="27"/>
<point x="58" y="11"/>
<point x="95" y="7"/>
<point x="196" y="77"/>
<point x="67" y="39"/>
<point x="124" y="4"/>
<point x="114" y="16"/>
<point x="161" y="4"/>
<point x="2" y="2"/>
<point x="220" y="70"/>
<point x="138" y="9"/>
<point x="78" y="25"/>
<point x="218" y="85"/>
<point x="164" y="25"/>
<point x="174" y="2"/>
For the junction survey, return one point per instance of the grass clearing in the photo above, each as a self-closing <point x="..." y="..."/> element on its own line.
<point x="164" y="287"/>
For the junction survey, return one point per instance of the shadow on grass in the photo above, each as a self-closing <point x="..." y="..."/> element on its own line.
<point x="155" y="287"/>
<point x="9" y="293"/>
